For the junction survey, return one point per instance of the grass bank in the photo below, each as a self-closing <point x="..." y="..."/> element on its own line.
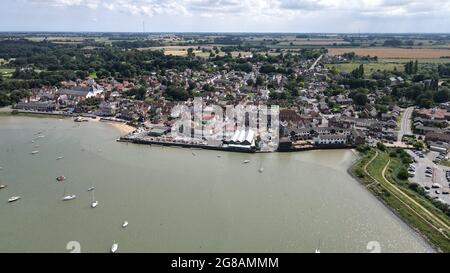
<point x="379" y="172"/>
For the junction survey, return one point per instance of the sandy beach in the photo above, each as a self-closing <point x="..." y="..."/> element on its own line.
<point x="122" y="127"/>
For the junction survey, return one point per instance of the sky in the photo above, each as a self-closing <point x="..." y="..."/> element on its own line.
<point x="294" y="16"/>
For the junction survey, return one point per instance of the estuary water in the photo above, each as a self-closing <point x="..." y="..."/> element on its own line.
<point x="181" y="200"/>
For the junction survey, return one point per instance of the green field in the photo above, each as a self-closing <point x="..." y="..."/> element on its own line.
<point x="6" y="72"/>
<point x="368" y="67"/>
<point x="378" y="172"/>
<point x="421" y="61"/>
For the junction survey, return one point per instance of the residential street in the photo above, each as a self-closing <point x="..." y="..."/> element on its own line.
<point x="405" y="125"/>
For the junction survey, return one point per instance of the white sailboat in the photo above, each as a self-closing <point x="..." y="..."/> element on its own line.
<point x="246" y="161"/>
<point x="114" y="247"/>
<point x="34" y="152"/>
<point x="94" y="202"/>
<point x="69" y="196"/>
<point x="14" y="198"/>
<point x="318" y="248"/>
<point x="2" y="186"/>
<point x="125" y="224"/>
<point x="59" y="157"/>
<point x="91" y="188"/>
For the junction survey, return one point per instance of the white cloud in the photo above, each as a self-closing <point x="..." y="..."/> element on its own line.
<point x="93" y="4"/>
<point x="381" y="8"/>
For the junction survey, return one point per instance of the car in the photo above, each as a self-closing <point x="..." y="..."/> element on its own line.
<point x="428" y="175"/>
<point x="429" y="172"/>
<point x="437" y="192"/>
<point x="427" y="188"/>
<point x="421" y="156"/>
<point x="445" y="192"/>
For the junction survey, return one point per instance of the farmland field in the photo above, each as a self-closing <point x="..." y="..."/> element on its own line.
<point x="394" y="53"/>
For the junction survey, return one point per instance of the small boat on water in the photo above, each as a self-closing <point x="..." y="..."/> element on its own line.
<point x="317" y="250"/>
<point x="59" y="157"/>
<point x="94" y="202"/>
<point x="34" y="152"/>
<point x="69" y="197"/>
<point x="61" y="178"/>
<point x="14" y="198"/>
<point x="125" y="224"/>
<point x="81" y="119"/>
<point x="91" y="188"/>
<point x="2" y="186"/>
<point x="246" y="161"/>
<point x="114" y="247"/>
<point x="261" y="170"/>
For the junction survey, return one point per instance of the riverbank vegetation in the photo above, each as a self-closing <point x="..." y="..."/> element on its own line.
<point x="383" y="173"/>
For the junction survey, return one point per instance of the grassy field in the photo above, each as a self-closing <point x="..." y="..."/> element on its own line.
<point x="6" y="72"/>
<point x="421" y="61"/>
<point x="377" y="170"/>
<point x="182" y="50"/>
<point x="445" y="163"/>
<point x="394" y="53"/>
<point x="368" y="67"/>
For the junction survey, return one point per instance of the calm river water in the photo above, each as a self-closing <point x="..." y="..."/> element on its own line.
<point x="181" y="200"/>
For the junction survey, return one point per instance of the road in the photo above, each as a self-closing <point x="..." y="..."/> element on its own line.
<point x="315" y="63"/>
<point x="405" y="124"/>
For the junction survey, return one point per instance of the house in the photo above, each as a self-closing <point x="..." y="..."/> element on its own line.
<point x="79" y="93"/>
<point x="423" y="130"/>
<point x="440" y="147"/>
<point x="107" y="108"/>
<point x="333" y="139"/>
<point x="434" y="136"/>
<point x="433" y="114"/>
<point x="41" y="106"/>
<point x="158" y="131"/>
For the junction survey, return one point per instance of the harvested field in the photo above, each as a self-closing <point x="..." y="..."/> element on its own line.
<point x="394" y="53"/>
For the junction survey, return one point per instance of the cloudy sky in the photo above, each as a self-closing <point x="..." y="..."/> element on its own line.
<point x="226" y="15"/>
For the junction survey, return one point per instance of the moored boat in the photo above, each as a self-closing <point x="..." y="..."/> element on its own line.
<point x="69" y="197"/>
<point x="61" y="178"/>
<point x="125" y="224"/>
<point x="114" y="247"/>
<point x="14" y="198"/>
